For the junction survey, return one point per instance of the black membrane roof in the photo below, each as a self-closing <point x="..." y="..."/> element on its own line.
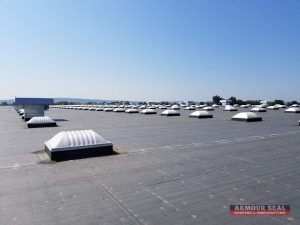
<point x="169" y="170"/>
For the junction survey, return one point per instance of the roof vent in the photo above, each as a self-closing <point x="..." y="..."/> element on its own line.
<point x="247" y="116"/>
<point x="170" y="112"/>
<point x="77" y="144"/>
<point x="41" y="121"/>
<point x="201" y="114"/>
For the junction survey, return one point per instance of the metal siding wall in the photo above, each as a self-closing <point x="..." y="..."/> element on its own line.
<point x="33" y="110"/>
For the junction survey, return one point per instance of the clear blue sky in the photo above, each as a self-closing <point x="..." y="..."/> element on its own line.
<point x="150" y="49"/>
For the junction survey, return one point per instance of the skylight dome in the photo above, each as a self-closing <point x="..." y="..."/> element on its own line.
<point x="175" y="107"/>
<point x="132" y="111"/>
<point x="292" y="110"/>
<point x="41" y="121"/>
<point x="247" y="116"/>
<point x="208" y="108"/>
<point x="77" y="144"/>
<point x="273" y="107"/>
<point x="170" y="112"/>
<point x="108" y="109"/>
<point x="258" y="109"/>
<point x="190" y="108"/>
<point x="148" y="111"/>
<point x="229" y="108"/>
<point x="119" y="110"/>
<point x="201" y="114"/>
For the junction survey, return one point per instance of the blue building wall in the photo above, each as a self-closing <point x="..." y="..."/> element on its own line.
<point x="34" y="101"/>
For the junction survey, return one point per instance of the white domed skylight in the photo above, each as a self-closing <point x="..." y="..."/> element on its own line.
<point x="170" y="112"/>
<point x="258" y="109"/>
<point x="77" y="144"/>
<point x="41" y="121"/>
<point x="247" y="116"/>
<point x="201" y="114"/>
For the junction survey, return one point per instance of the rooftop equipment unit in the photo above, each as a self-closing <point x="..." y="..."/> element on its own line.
<point x="247" y="116"/>
<point x="41" y="121"/>
<point x="77" y="144"/>
<point x="33" y="106"/>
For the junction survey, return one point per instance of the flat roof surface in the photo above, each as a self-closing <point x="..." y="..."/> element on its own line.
<point x="170" y="170"/>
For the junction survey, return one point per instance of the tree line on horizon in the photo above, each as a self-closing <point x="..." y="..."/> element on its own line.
<point x="215" y="100"/>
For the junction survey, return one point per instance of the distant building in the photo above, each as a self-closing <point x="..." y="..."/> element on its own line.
<point x="225" y="102"/>
<point x="265" y="102"/>
<point x="33" y="106"/>
<point x="187" y="103"/>
<point x="151" y="103"/>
